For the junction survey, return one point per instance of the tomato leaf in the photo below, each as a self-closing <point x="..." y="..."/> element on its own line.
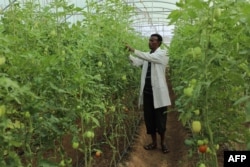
<point x="174" y="16"/>
<point x="241" y="100"/>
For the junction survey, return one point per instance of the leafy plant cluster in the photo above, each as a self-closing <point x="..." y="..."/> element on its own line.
<point x="60" y="78"/>
<point x="210" y="73"/>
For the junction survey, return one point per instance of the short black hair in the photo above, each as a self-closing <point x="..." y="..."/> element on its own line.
<point x="158" y="36"/>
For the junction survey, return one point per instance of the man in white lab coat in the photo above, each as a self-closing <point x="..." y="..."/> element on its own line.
<point x="154" y="94"/>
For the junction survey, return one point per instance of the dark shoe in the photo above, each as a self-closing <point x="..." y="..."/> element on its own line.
<point x="164" y="149"/>
<point x="151" y="146"/>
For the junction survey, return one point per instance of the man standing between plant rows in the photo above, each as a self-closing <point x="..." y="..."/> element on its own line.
<point x="154" y="93"/>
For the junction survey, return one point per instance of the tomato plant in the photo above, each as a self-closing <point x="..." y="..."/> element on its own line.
<point x="209" y="70"/>
<point x="59" y="77"/>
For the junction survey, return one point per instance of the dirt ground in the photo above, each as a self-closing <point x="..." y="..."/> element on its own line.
<point x="177" y="157"/>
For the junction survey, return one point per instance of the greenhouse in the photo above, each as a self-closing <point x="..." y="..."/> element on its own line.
<point x="69" y="83"/>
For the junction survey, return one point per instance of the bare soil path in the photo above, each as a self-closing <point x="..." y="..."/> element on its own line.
<point x="177" y="157"/>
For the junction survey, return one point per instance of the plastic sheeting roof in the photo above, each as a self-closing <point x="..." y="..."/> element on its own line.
<point x="150" y="15"/>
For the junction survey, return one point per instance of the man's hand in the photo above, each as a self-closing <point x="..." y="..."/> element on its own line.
<point x="129" y="48"/>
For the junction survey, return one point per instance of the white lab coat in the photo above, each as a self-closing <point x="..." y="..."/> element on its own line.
<point x="159" y="61"/>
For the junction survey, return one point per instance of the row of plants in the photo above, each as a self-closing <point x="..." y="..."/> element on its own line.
<point x="210" y="74"/>
<point x="60" y="78"/>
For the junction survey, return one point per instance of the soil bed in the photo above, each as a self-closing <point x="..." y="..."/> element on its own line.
<point x="177" y="157"/>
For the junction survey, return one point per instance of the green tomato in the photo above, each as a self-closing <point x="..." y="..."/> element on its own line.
<point x="217" y="13"/>
<point x="205" y="141"/>
<point x="27" y="114"/>
<point x="197" y="112"/>
<point x="200" y="142"/>
<point x="196" y="126"/>
<point x="62" y="163"/>
<point x="188" y="91"/>
<point x="193" y="82"/>
<point x="75" y="145"/>
<point x="99" y="63"/>
<point x="89" y="134"/>
<point x="53" y="33"/>
<point x="209" y="150"/>
<point x="2" y="60"/>
<point x="202" y="165"/>
<point x="124" y="77"/>
<point x="197" y="53"/>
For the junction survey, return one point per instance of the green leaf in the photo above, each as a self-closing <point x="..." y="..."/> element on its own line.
<point x="189" y="142"/>
<point x="241" y="100"/>
<point x="179" y="4"/>
<point x="56" y="88"/>
<point x="15" y="143"/>
<point x="174" y="16"/>
<point x="96" y="122"/>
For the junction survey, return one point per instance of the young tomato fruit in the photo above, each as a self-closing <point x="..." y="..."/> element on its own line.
<point x="2" y="60"/>
<point x="202" y="148"/>
<point x="202" y="165"/>
<point x="197" y="112"/>
<point x="124" y="77"/>
<point x="200" y="142"/>
<point x="197" y="50"/>
<point x="27" y="114"/>
<point x="89" y="134"/>
<point x="99" y="63"/>
<point x="75" y="145"/>
<point x="196" y="126"/>
<point x="98" y="154"/>
<point x="217" y="13"/>
<point x="188" y="91"/>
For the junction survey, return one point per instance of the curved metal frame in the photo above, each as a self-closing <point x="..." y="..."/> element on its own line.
<point x="7" y="6"/>
<point x="151" y="16"/>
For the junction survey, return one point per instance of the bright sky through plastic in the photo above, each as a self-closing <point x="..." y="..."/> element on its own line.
<point x="150" y="16"/>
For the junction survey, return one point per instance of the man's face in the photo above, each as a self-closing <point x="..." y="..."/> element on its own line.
<point x="153" y="43"/>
